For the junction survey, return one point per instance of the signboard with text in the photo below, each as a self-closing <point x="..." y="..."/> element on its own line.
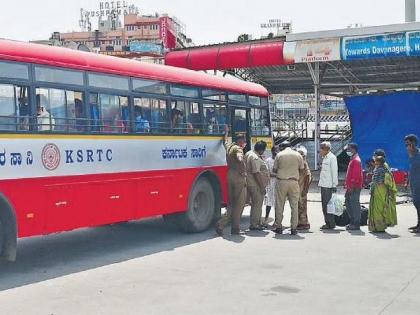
<point x="381" y="46"/>
<point x="312" y="51"/>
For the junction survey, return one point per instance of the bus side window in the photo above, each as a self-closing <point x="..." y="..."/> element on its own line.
<point x="158" y="116"/>
<point x="194" y="124"/>
<point x="142" y="115"/>
<point x="94" y="113"/>
<point x="23" y="108"/>
<point x="44" y="119"/>
<point x="7" y="107"/>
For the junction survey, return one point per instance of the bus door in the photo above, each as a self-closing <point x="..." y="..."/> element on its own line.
<point x="240" y="125"/>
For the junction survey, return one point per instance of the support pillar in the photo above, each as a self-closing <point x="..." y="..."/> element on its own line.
<point x="315" y="74"/>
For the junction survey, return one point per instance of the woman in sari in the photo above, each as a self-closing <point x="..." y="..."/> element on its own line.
<point x="383" y="204"/>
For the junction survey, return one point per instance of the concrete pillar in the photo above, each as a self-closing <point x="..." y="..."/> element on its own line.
<point x="410" y="11"/>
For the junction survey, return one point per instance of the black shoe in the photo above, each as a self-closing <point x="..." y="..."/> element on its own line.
<point x="237" y="232"/>
<point x="278" y="230"/>
<point x="326" y="227"/>
<point x="293" y="232"/>
<point x="353" y="228"/>
<point x="303" y="227"/>
<point x="414" y="227"/>
<point x="257" y="228"/>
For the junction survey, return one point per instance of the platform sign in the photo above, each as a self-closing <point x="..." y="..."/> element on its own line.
<point x="312" y="51"/>
<point x="374" y="47"/>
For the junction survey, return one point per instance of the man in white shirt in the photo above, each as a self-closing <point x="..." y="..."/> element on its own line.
<point x="328" y="181"/>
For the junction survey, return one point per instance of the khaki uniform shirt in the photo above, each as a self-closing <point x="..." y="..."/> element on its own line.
<point x="233" y="155"/>
<point x="255" y="164"/>
<point x="288" y="164"/>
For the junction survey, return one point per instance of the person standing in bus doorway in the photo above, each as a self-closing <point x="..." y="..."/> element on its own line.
<point x="353" y="185"/>
<point x="328" y="181"/>
<point x="304" y="182"/>
<point x="288" y="166"/>
<point x="257" y="182"/>
<point x="411" y="143"/>
<point x="236" y="185"/>
<point x="269" y="199"/>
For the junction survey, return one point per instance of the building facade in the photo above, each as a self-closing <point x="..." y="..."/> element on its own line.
<point x="139" y="36"/>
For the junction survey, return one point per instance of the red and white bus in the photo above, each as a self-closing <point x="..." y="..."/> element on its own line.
<point x="88" y="140"/>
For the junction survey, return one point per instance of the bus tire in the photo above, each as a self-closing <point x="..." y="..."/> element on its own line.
<point x="8" y="231"/>
<point x="201" y="208"/>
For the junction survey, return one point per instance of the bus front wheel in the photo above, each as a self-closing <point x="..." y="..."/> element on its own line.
<point x="201" y="209"/>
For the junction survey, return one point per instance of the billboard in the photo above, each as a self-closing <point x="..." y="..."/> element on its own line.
<point x="145" y="47"/>
<point x="166" y="32"/>
<point x="401" y="44"/>
<point x="312" y="51"/>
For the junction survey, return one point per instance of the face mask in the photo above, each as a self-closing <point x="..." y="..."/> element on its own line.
<point x="350" y="154"/>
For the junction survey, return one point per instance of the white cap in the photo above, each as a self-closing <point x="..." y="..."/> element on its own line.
<point x="302" y="149"/>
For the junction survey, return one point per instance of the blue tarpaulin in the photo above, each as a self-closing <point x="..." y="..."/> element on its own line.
<point x="382" y="122"/>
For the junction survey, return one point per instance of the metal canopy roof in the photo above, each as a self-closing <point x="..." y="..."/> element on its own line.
<point x="340" y="77"/>
<point x="343" y="77"/>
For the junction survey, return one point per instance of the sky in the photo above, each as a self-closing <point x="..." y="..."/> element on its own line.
<point x="207" y="21"/>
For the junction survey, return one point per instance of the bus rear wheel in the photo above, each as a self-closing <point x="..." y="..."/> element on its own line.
<point x="201" y="209"/>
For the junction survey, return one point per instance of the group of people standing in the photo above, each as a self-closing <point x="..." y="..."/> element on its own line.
<point x="286" y="176"/>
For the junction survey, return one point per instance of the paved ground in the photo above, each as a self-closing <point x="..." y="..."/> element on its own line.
<point x="145" y="268"/>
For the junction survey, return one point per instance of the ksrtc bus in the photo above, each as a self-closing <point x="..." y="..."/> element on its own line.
<point x="89" y="140"/>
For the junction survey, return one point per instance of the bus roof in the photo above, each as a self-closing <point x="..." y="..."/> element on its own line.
<point x="74" y="59"/>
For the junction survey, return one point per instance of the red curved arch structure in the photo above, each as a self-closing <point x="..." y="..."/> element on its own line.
<point x="228" y="56"/>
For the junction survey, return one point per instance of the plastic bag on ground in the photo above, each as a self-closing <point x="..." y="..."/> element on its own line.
<point x="336" y="205"/>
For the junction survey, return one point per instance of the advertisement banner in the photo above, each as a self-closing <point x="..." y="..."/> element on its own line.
<point x="378" y="46"/>
<point x="145" y="47"/>
<point x="312" y="51"/>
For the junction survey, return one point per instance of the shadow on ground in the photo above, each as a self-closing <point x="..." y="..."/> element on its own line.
<point x="48" y="257"/>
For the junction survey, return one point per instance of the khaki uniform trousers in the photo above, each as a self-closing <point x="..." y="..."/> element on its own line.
<point x="257" y="199"/>
<point x="237" y="198"/>
<point x="287" y="189"/>
<point x="303" y="210"/>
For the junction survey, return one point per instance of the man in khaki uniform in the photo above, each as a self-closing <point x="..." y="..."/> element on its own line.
<point x="304" y="183"/>
<point x="236" y="185"/>
<point x="288" y="165"/>
<point x="257" y="181"/>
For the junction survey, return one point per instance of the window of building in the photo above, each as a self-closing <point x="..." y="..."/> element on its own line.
<point x="60" y="110"/>
<point x="14" y="71"/>
<point x="108" y="82"/>
<point x="109" y="113"/>
<point x="215" y="118"/>
<point x="185" y="91"/>
<point x="149" y="86"/>
<point x="55" y="75"/>
<point x="14" y="108"/>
